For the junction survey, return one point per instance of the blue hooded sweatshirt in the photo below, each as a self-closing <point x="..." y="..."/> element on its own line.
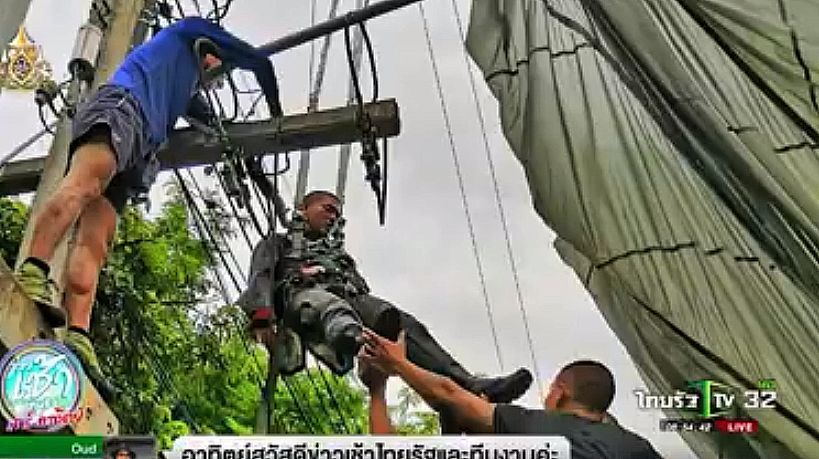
<point x="162" y="73"/>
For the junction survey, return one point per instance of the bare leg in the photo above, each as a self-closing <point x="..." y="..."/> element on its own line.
<point x="96" y="229"/>
<point x="92" y="167"/>
<point x="93" y="164"/>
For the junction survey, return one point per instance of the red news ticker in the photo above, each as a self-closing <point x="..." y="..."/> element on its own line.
<point x="736" y="425"/>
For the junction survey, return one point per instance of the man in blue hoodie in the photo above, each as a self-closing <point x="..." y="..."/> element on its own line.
<point x="112" y="157"/>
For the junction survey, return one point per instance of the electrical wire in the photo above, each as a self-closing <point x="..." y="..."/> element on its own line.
<point x="461" y="188"/>
<point x="334" y="401"/>
<point x="371" y="166"/>
<point x="152" y="359"/>
<point x="46" y="126"/>
<point x="214" y="218"/>
<point x="27" y="143"/>
<point x="496" y="190"/>
<point x="320" y="398"/>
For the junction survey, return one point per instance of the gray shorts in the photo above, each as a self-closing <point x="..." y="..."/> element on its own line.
<point x="112" y="114"/>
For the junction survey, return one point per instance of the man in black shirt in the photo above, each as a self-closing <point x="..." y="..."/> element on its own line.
<point x="576" y="405"/>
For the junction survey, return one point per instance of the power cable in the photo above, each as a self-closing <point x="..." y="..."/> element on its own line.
<point x="470" y="227"/>
<point x="496" y="189"/>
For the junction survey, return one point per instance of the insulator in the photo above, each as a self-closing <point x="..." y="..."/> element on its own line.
<point x="84" y="55"/>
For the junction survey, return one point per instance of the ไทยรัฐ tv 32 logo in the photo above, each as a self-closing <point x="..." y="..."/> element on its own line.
<point x="709" y="398"/>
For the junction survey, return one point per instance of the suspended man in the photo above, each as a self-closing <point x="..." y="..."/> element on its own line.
<point x="112" y="157"/>
<point x="307" y="283"/>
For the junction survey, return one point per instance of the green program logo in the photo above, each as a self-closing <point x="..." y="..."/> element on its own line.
<point x="707" y="398"/>
<point x="718" y="399"/>
<point x="40" y="386"/>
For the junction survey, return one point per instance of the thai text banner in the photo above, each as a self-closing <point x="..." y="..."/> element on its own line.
<point x="370" y="447"/>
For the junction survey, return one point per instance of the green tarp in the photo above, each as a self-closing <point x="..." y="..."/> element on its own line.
<point x="12" y="13"/>
<point x="671" y="146"/>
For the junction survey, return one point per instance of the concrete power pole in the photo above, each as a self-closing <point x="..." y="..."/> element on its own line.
<point x="117" y="39"/>
<point x="101" y="44"/>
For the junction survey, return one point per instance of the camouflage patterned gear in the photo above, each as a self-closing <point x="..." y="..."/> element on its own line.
<point x="329" y="326"/>
<point x="313" y="309"/>
<point x="338" y="272"/>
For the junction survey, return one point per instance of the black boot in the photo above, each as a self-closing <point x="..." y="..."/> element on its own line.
<point x="504" y="389"/>
<point x="424" y="351"/>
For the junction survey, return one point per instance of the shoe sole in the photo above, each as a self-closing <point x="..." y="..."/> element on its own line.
<point x="517" y="386"/>
<point x="348" y="344"/>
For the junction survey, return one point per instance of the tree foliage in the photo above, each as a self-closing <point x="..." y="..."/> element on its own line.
<point x="410" y="420"/>
<point x="179" y="355"/>
<point x="12" y="224"/>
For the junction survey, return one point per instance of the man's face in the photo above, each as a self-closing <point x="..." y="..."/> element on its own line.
<point x="320" y="212"/>
<point x="210" y="62"/>
<point x="122" y="455"/>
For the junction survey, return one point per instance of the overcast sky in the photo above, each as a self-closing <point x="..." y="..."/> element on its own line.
<point x="422" y="258"/>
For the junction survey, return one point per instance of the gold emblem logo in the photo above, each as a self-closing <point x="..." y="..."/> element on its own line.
<point x="22" y="65"/>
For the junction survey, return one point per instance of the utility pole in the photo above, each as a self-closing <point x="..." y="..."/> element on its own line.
<point x="101" y="44"/>
<point x="121" y="20"/>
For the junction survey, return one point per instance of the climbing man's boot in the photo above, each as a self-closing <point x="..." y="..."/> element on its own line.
<point x="81" y="346"/>
<point x="32" y="276"/>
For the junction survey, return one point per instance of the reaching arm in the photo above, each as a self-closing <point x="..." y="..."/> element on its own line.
<point x="236" y="53"/>
<point x="470" y="411"/>
<point x="376" y="382"/>
<point x="379" y="415"/>
<point x="441" y="393"/>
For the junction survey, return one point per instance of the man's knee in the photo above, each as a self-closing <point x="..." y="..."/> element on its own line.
<point x="93" y="164"/>
<point x="371" y="307"/>
<point x="411" y="324"/>
<point x="82" y="273"/>
<point x="310" y="306"/>
<point x="76" y="193"/>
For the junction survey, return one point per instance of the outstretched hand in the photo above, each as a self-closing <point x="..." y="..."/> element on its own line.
<point x="382" y="353"/>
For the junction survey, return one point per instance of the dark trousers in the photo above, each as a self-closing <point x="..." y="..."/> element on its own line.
<point x="422" y="349"/>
